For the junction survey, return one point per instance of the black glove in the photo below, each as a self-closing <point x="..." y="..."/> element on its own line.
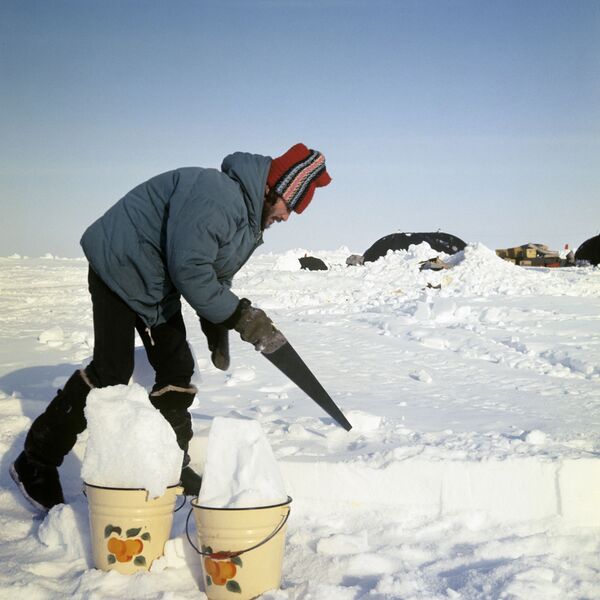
<point x="255" y="327"/>
<point x="217" y="336"/>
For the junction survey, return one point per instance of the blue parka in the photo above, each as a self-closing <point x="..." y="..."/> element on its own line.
<point x="182" y="233"/>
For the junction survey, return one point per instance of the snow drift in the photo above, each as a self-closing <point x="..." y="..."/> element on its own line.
<point x="471" y="472"/>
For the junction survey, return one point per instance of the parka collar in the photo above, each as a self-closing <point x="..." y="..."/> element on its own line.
<point x="250" y="171"/>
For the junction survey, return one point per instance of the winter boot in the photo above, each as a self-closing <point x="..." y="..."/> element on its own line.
<point x="38" y="483"/>
<point x="173" y="403"/>
<point x="50" y="438"/>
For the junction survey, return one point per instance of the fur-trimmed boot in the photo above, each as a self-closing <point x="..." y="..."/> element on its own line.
<point x="49" y="440"/>
<point x="173" y="403"/>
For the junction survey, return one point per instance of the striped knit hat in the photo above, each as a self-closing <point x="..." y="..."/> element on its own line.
<point x="295" y="175"/>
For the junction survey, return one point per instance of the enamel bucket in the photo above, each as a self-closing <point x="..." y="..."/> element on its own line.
<point x="128" y="529"/>
<point x="241" y="549"/>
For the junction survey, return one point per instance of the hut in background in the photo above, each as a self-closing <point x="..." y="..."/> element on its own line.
<point x="439" y="241"/>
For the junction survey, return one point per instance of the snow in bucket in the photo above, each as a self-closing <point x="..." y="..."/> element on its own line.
<point x="130" y="444"/>
<point x="131" y="467"/>
<point x="241" y="512"/>
<point x="240" y="470"/>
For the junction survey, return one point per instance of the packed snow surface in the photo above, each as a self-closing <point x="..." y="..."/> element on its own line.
<point x="240" y="470"/>
<point x="472" y="469"/>
<point x="130" y="444"/>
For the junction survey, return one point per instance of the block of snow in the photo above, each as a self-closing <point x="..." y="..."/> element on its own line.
<point x="54" y="334"/>
<point x="240" y="470"/>
<point x="130" y="444"/>
<point x="579" y="484"/>
<point x="363" y="422"/>
<point x="535" y="437"/>
<point x="173" y="557"/>
<point x="421" y="375"/>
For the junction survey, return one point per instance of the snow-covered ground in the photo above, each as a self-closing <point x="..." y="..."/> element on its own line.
<point x="472" y="470"/>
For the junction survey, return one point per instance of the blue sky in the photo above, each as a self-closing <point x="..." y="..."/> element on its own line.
<point x="478" y="118"/>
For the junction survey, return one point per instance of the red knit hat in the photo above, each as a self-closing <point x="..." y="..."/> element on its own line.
<point x="295" y="175"/>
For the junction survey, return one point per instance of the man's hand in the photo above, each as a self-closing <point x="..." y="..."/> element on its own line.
<point x="217" y="336"/>
<point x="255" y="327"/>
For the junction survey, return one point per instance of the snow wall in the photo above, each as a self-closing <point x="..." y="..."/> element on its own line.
<point x="510" y="490"/>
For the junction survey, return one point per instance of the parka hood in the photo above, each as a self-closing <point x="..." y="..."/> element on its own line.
<point x="250" y="171"/>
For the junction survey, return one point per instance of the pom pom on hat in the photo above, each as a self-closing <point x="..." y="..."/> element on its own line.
<point x="296" y="174"/>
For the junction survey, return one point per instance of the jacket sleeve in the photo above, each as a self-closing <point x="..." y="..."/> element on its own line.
<point x="193" y="245"/>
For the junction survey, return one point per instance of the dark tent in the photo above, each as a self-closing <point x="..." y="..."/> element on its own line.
<point x="312" y="264"/>
<point x="589" y="250"/>
<point x="439" y="241"/>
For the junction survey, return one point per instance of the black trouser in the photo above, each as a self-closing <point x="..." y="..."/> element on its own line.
<point x="114" y="339"/>
<point x="54" y="432"/>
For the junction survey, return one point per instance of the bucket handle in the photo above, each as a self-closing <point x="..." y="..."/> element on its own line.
<point x="180" y="506"/>
<point x="231" y="554"/>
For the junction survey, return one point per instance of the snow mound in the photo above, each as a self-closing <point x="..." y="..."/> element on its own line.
<point x="67" y="529"/>
<point x="288" y="262"/>
<point x="478" y="271"/>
